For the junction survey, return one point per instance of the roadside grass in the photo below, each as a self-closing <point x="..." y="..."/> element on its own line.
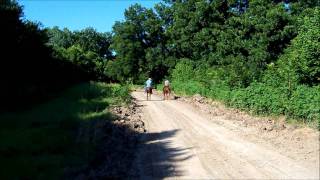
<point x="40" y="142"/>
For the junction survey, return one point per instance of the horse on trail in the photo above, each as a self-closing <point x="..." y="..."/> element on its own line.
<point x="166" y="92"/>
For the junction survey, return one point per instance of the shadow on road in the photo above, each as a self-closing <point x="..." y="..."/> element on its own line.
<point x="122" y="153"/>
<point x="156" y="158"/>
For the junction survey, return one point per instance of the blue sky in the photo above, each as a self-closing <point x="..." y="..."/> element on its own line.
<point x="79" y="14"/>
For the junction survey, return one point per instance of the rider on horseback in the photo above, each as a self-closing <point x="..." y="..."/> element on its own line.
<point x="167" y="83"/>
<point x="148" y="85"/>
<point x="148" y="88"/>
<point x="166" y="89"/>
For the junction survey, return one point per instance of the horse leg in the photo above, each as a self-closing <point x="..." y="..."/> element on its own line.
<point x="165" y="94"/>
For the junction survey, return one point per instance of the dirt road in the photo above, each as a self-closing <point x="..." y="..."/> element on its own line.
<point x="183" y="143"/>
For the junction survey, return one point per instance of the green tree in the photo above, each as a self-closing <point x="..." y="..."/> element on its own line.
<point x="28" y="70"/>
<point x="138" y="44"/>
<point x="300" y="64"/>
<point x="60" y="38"/>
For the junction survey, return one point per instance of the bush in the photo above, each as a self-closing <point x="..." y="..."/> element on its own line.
<point x="305" y="103"/>
<point x="299" y="102"/>
<point x="260" y="98"/>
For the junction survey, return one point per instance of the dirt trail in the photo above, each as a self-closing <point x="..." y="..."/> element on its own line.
<point x="185" y="143"/>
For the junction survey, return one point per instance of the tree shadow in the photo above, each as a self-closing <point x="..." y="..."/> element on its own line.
<point x="123" y="153"/>
<point x="157" y="158"/>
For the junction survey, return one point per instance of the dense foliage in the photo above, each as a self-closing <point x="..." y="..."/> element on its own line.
<point x="36" y="63"/>
<point x="139" y="46"/>
<point x="238" y="45"/>
<point x="87" y="49"/>
<point x="280" y="77"/>
<point x="28" y="70"/>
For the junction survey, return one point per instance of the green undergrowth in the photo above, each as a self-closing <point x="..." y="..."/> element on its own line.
<point x="300" y="105"/>
<point x="40" y="142"/>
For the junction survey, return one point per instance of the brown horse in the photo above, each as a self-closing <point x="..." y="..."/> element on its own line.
<point x="166" y="92"/>
<point x="149" y="92"/>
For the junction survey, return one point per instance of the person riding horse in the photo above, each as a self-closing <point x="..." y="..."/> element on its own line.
<point x="148" y="88"/>
<point x="166" y="90"/>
